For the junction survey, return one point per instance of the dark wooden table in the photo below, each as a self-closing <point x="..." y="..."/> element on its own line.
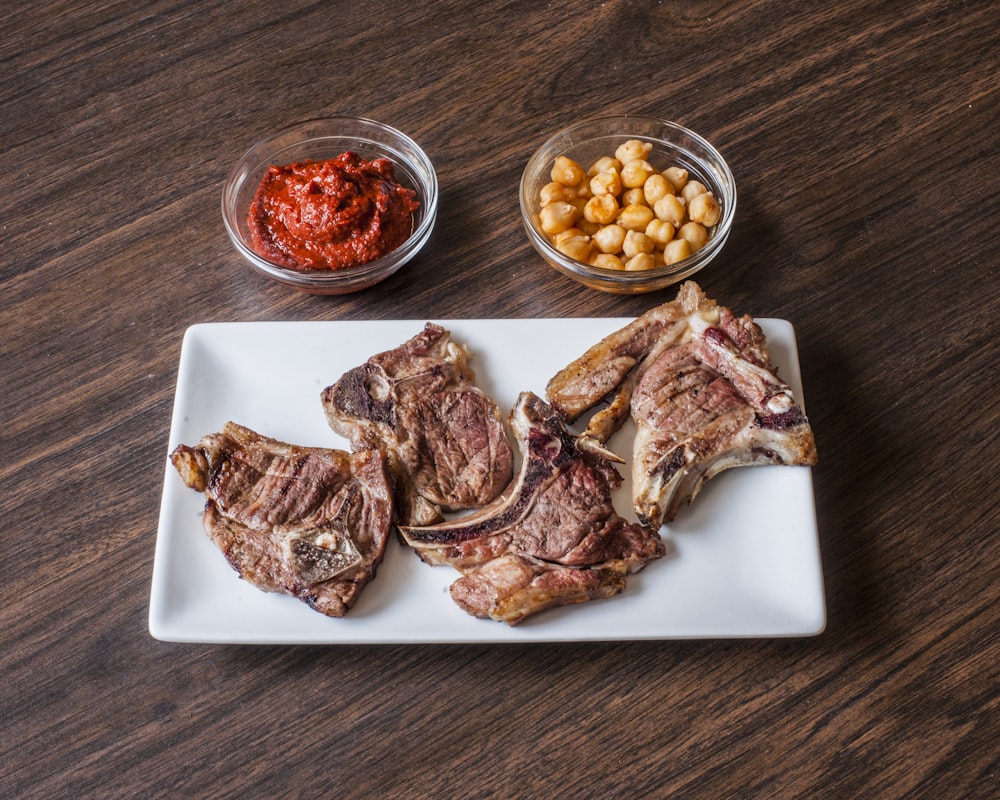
<point x="863" y="137"/>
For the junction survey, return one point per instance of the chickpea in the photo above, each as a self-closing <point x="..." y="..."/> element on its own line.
<point x="678" y="177"/>
<point x="670" y="208"/>
<point x="557" y="217"/>
<point x="640" y="262"/>
<point x="553" y="192"/>
<point x="660" y="231"/>
<point x="633" y="197"/>
<point x="606" y="183"/>
<point x="655" y="187"/>
<point x="567" y="172"/>
<point x="579" y="203"/>
<point x="705" y="209"/>
<point x="607" y="261"/>
<point x="676" y="250"/>
<point x="635" y="172"/>
<point x="692" y="189"/>
<point x="601" y="208"/>
<point x="577" y="246"/>
<point x="605" y="164"/>
<point x="609" y="239"/>
<point x="569" y="233"/>
<point x="695" y="234"/>
<point x="588" y="227"/>
<point x="635" y="217"/>
<point x="637" y="242"/>
<point x="632" y="149"/>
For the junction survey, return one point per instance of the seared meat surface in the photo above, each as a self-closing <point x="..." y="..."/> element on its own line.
<point x="442" y="436"/>
<point x="700" y="387"/>
<point x="602" y="370"/>
<point x="551" y="539"/>
<point x="308" y="522"/>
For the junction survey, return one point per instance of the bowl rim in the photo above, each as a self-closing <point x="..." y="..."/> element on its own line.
<point x="420" y="168"/>
<point x="666" y="274"/>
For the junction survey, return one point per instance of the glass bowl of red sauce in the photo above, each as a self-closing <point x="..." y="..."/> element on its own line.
<point x="301" y="169"/>
<point x="576" y="245"/>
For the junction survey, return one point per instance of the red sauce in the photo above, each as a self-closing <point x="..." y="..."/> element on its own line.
<point x="330" y="214"/>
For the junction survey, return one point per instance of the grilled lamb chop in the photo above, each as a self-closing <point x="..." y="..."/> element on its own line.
<point x="308" y="522"/>
<point x="442" y="436"/>
<point x="605" y="368"/>
<point x="704" y="396"/>
<point x="551" y="539"/>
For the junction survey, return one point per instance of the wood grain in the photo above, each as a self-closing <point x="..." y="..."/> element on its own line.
<point x="863" y="139"/>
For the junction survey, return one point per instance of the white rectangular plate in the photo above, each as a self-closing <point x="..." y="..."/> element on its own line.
<point x="743" y="559"/>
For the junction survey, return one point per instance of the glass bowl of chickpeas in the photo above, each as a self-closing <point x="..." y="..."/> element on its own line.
<point x="627" y="204"/>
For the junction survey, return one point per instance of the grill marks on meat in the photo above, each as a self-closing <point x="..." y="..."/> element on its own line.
<point x="308" y="522"/>
<point x="700" y="387"/>
<point x="707" y="405"/>
<point x="442" y="436"/>
<point x="554" y="536"/>
<point x="602" y="370"/>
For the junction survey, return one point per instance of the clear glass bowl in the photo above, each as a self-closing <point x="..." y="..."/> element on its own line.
<point x="321" y="139"/>
<point x="673" y="145"/>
